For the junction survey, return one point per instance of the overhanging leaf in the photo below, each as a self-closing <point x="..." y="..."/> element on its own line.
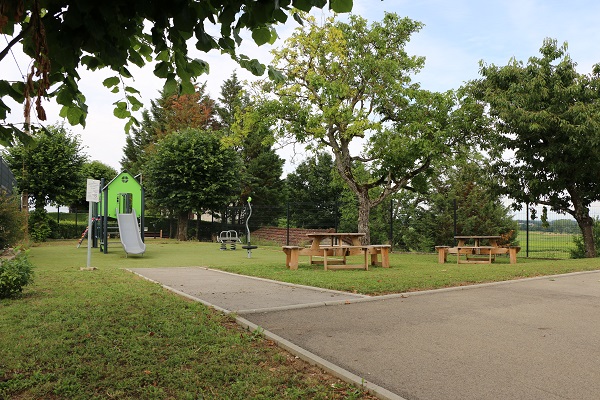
<point x="341" y="6"/>
<point x="261" y="35"/>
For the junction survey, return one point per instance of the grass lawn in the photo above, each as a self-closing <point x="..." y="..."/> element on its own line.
<point x="110" y="334"/>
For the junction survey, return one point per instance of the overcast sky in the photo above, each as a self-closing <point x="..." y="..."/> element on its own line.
<point x="457" y="35"/>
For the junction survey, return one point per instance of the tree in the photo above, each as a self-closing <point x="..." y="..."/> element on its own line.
<point x="61" y="36"/>
<point x="479" y="210"/>
<point x="545" y="117"/>
<point x="12" y="220"/>
<point x="191" y="171"/>
<point x="314" y="186"/>
<point x="167" y="114"/>
<point x="261" y="168"/>
<point x="49" y="170"/>
<point x="90" y="170"/>
<point x="347" y="83"/>
<point x="233" y="99"/>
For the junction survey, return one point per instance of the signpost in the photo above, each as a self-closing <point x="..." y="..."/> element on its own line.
<point x="92" y="195"/>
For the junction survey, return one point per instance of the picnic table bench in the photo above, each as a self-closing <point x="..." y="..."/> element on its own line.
<point x="475" y="252"/>
<point x="332" y="250"/>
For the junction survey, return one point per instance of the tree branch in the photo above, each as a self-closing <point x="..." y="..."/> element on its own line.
<point x="14" y="41"/>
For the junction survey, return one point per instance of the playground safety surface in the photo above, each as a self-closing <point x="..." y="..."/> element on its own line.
<point x="535" y="338"/>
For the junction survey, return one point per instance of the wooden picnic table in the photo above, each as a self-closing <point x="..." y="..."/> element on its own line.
<point x="338" y="245"/>
<point x="475" y="253"/>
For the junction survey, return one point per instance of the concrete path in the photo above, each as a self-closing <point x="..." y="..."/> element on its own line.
<point x="527" y="339"/>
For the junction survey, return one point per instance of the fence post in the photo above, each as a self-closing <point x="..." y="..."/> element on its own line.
<point x="287" y="240"/>
<point x="455" y="208"/>
<point x="391" y="238"/>
<point x="527" y="232"/>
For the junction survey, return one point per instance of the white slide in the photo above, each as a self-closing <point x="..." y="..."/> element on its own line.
<point x="130" y="234"/>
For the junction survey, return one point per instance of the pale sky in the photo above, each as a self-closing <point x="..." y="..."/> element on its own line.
<point x="457" y="35"/>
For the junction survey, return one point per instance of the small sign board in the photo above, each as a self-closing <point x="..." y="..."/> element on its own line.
<point x="92" y="192"/>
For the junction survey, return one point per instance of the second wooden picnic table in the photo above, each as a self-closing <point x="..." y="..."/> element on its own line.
<point x="472" y="247"/>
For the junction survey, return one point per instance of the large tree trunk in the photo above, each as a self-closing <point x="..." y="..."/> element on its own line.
<point x="182" y="225"/>
<point x="364" y="210"/>
<point x="586" y="224"/>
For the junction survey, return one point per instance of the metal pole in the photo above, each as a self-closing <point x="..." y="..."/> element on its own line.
<point x="392" y="222"/>
<point x="527" y="233"/>
<point x="455" y="208"/>
<point x="287" y="240"/>
<point x="89" y="233"/>
<point x="105" y="217"/>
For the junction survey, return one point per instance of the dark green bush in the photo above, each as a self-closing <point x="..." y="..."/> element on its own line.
<point x="15" y="274"/>
<point x="40" y="225"/>
<point x="68" y="230"/>
<point x="579" y="251"/>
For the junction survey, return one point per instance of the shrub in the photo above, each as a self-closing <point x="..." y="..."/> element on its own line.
<point x="15" y="274"/>
<point x="579" y="251"/>
<point x="11" y="221"/>
<point x="40" y="227"/>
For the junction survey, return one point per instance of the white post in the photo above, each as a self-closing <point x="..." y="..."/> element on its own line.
<point x="89" y="233"/>
<point x="92" y="196"/>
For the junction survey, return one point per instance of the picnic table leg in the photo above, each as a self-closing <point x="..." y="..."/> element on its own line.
<point x="512" y="252"/>
<point x="442" y="254"/>
<point x="325" y="260"/>
<point x="385" y="257"/>
<point x="291" y="258"/>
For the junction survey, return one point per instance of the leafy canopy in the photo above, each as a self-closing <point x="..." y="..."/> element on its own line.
<point x="347" y="82"/>
<point x="62" y="36"/>
<point x="49" y="170"/>
<point x="547" y="115"/>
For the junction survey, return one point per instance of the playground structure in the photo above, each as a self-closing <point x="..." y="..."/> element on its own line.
<point x="121" y="200"/>
<point x="230" y="238"/>
<point x="129" y="232"/>
<point x="249" y="245"/>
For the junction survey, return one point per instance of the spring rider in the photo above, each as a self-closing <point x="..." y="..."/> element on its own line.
<point x="249" y="246"/>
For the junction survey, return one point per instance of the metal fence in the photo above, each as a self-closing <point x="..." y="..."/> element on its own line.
<point x="554" y="238"/>
<point x="7" y="179"/>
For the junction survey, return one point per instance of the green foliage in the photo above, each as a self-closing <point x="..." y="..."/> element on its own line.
<point x="40" y="225"/>
<point x="15" y="274"/>
<point x="425" y="223"/>
<point x="545" y="113"/>
<point x="49" y="169"/>
<point x="347" y="82"/>
<point x="261" y="167"/>
<point x="314" y="186"/>
<point x="11" y="221"/>
<point x="579" y="250"/>
<point x="66" y="35"/>
<point x="191" y="171"/>
<point x="90" y="170"/>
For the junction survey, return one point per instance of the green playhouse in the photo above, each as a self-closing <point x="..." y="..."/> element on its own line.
<point x="122" y="199"/>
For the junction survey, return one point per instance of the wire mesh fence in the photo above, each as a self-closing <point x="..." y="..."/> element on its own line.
<point x="7" y="180"/>
<point x="553" y="238"/>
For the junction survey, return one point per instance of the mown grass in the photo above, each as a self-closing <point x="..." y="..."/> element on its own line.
<point x="108" y="334"/>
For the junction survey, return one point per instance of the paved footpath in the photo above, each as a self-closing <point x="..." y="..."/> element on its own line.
<point x="527" y="339"/>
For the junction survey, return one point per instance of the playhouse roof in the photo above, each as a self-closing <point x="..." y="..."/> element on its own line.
<point x="120" y="175"/>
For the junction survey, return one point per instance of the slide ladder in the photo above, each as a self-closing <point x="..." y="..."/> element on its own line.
<point x="130" y="234"/>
